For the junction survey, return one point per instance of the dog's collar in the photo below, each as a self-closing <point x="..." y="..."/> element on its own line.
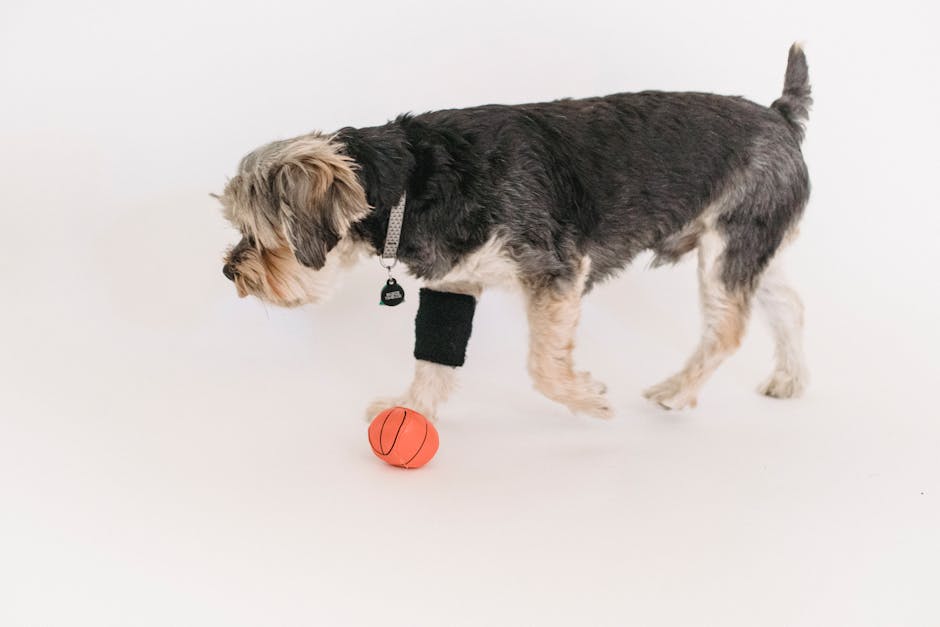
<point x="393" y="235"/>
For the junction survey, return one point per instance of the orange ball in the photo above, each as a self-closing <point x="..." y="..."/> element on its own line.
<point x="403" y="437"/>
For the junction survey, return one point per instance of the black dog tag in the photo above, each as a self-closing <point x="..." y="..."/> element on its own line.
<point x="392" y="293"/>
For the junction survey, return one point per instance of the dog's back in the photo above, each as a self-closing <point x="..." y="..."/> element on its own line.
<point x="612" y="176"/>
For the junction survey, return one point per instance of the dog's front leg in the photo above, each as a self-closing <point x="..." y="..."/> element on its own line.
<point x="442" y="330"/>
<point x="431" y="386"/>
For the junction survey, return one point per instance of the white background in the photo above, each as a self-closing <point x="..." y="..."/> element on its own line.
<point x="171" y="455"/>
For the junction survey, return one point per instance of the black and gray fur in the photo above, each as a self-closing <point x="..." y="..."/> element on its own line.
<point x="605" y="177"/>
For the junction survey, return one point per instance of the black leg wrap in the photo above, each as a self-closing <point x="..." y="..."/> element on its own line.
<point x="443" y="326"/>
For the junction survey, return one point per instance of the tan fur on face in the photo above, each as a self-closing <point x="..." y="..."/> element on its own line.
<point x="272" y="274"/>
<point x="293" y="200"/>
<point x="293" y="192"/>
<point x="275" y="275"/>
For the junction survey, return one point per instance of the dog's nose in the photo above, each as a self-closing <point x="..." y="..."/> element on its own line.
<point x="229" y="271"/>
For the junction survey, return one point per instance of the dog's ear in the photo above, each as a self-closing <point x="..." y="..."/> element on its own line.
<point x="319" y="195"/>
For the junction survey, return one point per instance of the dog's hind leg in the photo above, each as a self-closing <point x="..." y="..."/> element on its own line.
<point x="783" y="310"/>
<point x="553" y="313"/>
<point x="725" y="312"/>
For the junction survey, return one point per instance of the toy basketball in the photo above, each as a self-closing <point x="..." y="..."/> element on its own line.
<point x="403" y="437"/>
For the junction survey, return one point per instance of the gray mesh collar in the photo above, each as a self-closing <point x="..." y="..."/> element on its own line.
<point x="393" y="235"/>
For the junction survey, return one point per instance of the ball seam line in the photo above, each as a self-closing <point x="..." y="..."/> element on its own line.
<point x="397" y="433"/>
<point x="423" y="440"/>
<point x="378" y="451"/>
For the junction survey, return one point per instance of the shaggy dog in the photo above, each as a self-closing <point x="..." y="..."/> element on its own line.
<point x="551" y="197"/>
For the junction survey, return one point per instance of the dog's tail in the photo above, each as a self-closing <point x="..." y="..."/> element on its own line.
<point x="794" y="104"/>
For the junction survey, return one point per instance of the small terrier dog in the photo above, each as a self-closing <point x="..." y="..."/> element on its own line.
<point x="552" y="198"/>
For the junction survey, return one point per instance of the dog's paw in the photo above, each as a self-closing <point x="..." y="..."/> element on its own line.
<point x="671" y="394"/>
<point x="594" y="405"/>
<point x="579" y="392"/>
<point x="590" y="385"/>
<point x="379" y="405"/>
<point x="591" y="399"/>
<point x="783" y="385"/>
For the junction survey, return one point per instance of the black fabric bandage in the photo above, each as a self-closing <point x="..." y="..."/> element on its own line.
<point x="443" y="326"/>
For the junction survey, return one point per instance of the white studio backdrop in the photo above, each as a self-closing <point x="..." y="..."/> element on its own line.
<point x="170" y="454"/>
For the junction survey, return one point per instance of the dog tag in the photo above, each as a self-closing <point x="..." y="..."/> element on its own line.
<point x="392" y="293"/>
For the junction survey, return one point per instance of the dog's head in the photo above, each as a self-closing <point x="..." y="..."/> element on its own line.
<point x="293" y="202"/>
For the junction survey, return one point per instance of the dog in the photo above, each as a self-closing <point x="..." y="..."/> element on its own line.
<point x="552" y="198"/>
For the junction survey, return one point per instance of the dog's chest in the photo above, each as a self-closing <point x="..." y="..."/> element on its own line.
<point x="488" y="266"/>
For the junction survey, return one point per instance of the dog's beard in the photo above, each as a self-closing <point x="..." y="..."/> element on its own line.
<point x="275" y="276"/>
